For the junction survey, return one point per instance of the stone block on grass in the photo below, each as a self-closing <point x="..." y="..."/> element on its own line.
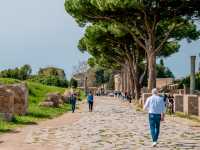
<point x="6" y="104"/>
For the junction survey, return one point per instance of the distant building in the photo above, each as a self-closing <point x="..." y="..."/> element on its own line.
<point x="52" y="71"/>
<point x="81" y="77"/>
<point x="162" y="82"/>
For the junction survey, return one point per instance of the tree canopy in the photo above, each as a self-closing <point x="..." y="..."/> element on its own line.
<point x="21" y="73"/>
<point x="151" y="24"/>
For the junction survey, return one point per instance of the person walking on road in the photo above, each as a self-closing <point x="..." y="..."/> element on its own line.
<point x="156" y="108"/>
<point x="73" y="99"/>
<point x="90" y="100"/>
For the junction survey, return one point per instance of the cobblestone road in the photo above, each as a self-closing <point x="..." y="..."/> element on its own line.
<point x="115" y="125"/>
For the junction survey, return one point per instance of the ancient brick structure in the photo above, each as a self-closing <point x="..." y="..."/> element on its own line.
<point x="178" y="100"/>
<point x="162" y="82"/>
<point x="191" y="105"/>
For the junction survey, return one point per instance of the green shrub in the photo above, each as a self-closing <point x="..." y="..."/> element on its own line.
<point x="37" y="93"/>
<point x="50" y="80"/>
<point x="21" y="73"/>
<point x="186" y="81"/>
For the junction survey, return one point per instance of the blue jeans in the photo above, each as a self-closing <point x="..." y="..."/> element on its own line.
<point x="154" y="122"/>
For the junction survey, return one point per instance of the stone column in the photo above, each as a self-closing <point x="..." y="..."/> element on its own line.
<point x="85" y="85"/>
<point x="192" y="76"/>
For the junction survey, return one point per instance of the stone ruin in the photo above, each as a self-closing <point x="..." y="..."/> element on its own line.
<point x="187" y="103"/>
<point x="13" y="100"/>
<point x="6" y="104"/>
<point x="56" y="99"/>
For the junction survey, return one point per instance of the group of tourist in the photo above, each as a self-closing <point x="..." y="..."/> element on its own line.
<point x="100" y="92"/>
<point x="155" y="104"/>
<point x="123" y="95"/>
<point x="73" y="101"/>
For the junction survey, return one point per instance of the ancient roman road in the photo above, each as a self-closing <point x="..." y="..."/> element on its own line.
<point x="114" y="125"/>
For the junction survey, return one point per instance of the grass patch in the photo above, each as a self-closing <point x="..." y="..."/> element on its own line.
<point x="183" y="115"/>
<point x="37" y="93"/>
<point x="8" y="81"/>
<point x="82" y="94"/>
<point x="6" y="126"/>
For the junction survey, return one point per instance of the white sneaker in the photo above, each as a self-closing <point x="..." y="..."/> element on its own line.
<point x="154" y="144"/>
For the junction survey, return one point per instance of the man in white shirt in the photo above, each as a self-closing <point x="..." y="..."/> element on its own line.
<point x="156" y="108"/>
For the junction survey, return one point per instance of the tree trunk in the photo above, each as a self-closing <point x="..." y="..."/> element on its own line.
<point x="135" y="79"/>
<point x="132" y="84"/>
<point x="137" y="90"/>
<point x="151" y="71"/>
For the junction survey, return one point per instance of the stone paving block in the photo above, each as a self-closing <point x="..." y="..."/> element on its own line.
<point x="115" y="125"/>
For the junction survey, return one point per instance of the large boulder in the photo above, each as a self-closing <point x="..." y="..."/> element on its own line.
<point x="66" y="96"/>
<point x="47" y="104"/>
<point x="56" y="98"/>
<point x="6" y="104"/>
<point x="20" y="92"/>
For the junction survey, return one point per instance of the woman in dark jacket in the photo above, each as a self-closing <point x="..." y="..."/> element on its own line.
<point x="73" y="99"/>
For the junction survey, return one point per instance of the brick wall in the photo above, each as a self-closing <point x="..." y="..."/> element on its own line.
<point x="191" y="104"/>
<point x="161" y="82"/>
<point x="178" y="100"/>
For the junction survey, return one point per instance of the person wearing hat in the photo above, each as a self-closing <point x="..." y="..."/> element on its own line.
<point x="156" y="108"/>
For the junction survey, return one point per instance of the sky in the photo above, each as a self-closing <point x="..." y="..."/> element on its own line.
<point x="41" y="33"/>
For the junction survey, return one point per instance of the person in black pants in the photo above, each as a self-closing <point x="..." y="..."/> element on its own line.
<point x="171" y="104"/>
<point x="90" y="100"/>
<point x="73" y="99"/>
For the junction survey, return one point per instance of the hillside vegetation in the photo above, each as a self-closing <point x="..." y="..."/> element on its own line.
<point x="37" y="93"/>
